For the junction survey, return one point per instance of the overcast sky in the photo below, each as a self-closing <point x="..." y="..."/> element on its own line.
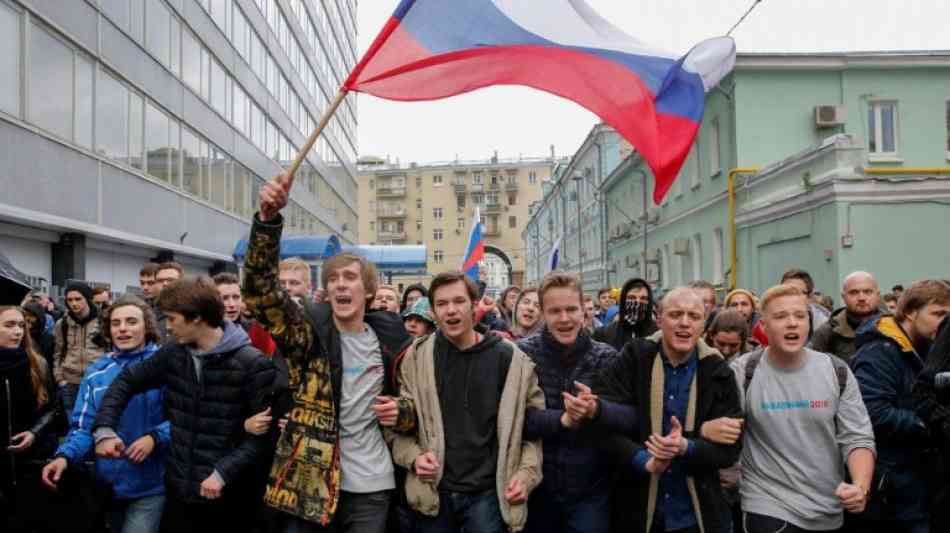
<point x="520" y="121"/>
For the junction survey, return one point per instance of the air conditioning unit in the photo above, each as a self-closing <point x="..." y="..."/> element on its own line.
<point x="680" y="246"/>
<point x="829" y="115"/>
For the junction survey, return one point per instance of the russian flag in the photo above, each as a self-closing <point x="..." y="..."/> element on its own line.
<point x="431" y="49"/>
<point x="475" y="251"/>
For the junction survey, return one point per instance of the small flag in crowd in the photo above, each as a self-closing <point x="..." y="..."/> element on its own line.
<point x="431" y="49"/>
<point x="475" y="251"/>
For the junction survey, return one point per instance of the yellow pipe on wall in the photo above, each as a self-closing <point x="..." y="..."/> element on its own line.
<point x="906" y="170"/>
<point x="733" y="253"/>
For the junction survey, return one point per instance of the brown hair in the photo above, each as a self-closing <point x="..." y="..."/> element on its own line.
<point x="149" y="270"/>
<point x="39" y="373"/>
<point x="588" y="298"/>
<point x="171" y="265"/>
<point x="889" y="297"/>
<point x="194" y="297"/>
<point x="99" y="290"/>
<point x="601" y="291"/>
<point x="345" y="259"/>
<point x="127" y="300"/>
<point x="730" y="321"/>
<point x="226" y="278"/>
<point x="797" y="273"/>
<point x="779" y="291"/>
<point x="560" y="280"/>
<point x="450" y="277"/>
<point x="921" y="294"/>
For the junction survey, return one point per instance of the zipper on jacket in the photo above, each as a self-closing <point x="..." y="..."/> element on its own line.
<point x="6" y="383"/>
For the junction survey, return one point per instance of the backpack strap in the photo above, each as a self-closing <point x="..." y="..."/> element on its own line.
<point x="841" y="373"/>
<point x="840" y="367"/>
<point x="750" y="365"/>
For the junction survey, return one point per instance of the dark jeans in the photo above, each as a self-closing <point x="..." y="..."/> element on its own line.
<point x="658" y="528"/>
<point x="549" y="513"/>
<point x="356" y="513"/>
<point x="216" y="515"/>
<point x="889" y="526"/>
<point x="67" y="397"/>
<point x="757" y="523"/>
<point x="469" y="512"/>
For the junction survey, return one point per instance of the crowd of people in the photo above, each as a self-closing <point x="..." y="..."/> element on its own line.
<point x="264" y="404"/>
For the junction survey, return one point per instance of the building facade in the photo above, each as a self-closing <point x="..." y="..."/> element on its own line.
<point x="434" y="205"/>
<point x="570" y="215"/>
<point x="840" y="163"/>
<point x="143" y="129"/>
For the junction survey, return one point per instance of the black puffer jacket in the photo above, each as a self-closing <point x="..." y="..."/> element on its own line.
<point x="19" y="412"/>
<point x="619" y="332"/>
<point x="207" y="413"/>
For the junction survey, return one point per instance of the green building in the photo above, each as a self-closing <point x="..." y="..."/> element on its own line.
<point x="840" y="163"/>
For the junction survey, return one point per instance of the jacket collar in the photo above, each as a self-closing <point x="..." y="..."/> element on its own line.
<point x="704" y="349"/>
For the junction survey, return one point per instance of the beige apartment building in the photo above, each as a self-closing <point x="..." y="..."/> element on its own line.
<point x="434" y="205"/>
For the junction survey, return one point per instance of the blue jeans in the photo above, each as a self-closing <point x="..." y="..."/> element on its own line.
<point x="549" y="512"/>
<point x="469" y="512"/>
<point x="143" y="515"/>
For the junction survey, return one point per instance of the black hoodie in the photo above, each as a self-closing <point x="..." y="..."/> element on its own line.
<point x="470" y="383"/>
<point x="619" y="332"/>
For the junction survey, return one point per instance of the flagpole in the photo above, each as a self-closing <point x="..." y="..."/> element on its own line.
<point x="324" y="120"/>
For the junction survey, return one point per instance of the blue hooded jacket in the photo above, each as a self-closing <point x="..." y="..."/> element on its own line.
<point x="143" y="416"/>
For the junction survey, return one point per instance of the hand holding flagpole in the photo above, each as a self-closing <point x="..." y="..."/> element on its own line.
<point x="276" y="193"/>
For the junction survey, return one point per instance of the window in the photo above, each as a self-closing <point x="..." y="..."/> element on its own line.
<point x="460" y="223"/>
<point x="112" y="118"/>
<point x="512" y="199"/>
<point x="418" y="225"/>
<point x="240" y="203"/>
<point x="418" y="182"/>
<point x="191" y="162"/>
<point x="137" y="20"/>
<point x="118" y="11"/>
<point x="241" y="118"/>
<point x="437" y="235"/>
<point x="218" y="173"/>
<point x="437" y="180"/>
<point x="84" y="111"/>
<point x="10" y="60"/>
<point x="158" y="32"/>
<point x="438" y="256"/>
<point x="882" y="129"/>
<point x="221" y="13"/>
<point x="690" y="170"/>
<point x="512" y="222"/>
<point x="532" y="177"/>
<point x="51" y="83"/>
<point x="478" y="199"/>
<point x="697" y="254"/>
<point x="136" y="131"/>
<point x="219" y="88"/>
<point x="418" y="203"/>
<point x="718" y="256"/>
<point x="460" y="179"/>
<point x="715" y="160"/>
<point x="191" y="60"/>
<point x="437" y="213"/>
<point x="372" y="225"/>
<point x="460" y="201"/>
<point x="156" y="143"/>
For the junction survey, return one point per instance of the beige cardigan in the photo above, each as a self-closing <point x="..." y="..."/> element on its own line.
<point x="516" y="458"/>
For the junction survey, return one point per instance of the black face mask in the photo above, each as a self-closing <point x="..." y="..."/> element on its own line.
<point x="635" y="312"/>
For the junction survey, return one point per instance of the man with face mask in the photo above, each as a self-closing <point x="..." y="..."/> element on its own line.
<point x="636" y="316"/>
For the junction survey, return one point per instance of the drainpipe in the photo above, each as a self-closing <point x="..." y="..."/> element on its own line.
<point x="906" y="170"/>
<point x="733" y="254"/>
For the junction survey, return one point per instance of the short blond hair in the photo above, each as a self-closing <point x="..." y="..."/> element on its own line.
<point x="388" y="288"/>
<point x="780" y="291"/>
<point x="296" y="264"/>
<point x="560" y="280"/>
